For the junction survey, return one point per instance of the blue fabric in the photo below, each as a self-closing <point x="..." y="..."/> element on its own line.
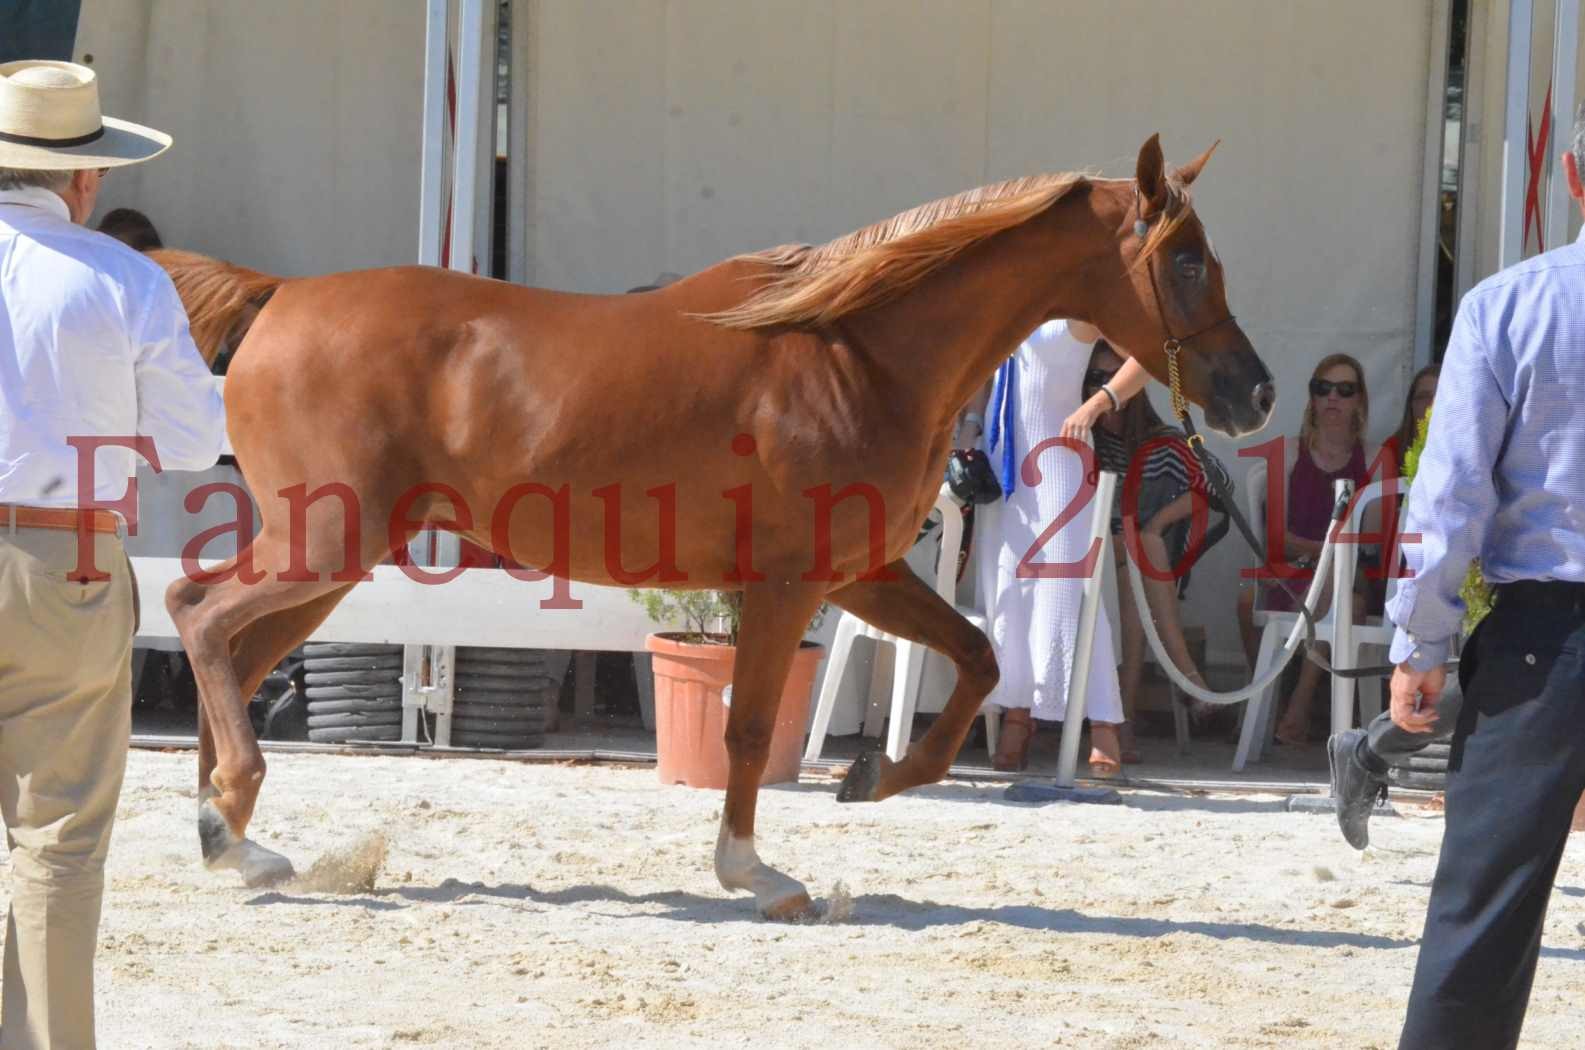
<point x="38" y="29"/>
<point x="1003" y="423"/>
<point x="1502" y="476"/>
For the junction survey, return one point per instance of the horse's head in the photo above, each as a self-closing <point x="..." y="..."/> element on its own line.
<point x="1172" y="302"/>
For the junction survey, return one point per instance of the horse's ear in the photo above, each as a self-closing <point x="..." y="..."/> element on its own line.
<point x="1191" y="171"/>
<point x="1151" y="174"/>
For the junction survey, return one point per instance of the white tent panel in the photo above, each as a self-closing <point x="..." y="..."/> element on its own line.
<point x="296" y="125"/>
<point x="673" y="134"/>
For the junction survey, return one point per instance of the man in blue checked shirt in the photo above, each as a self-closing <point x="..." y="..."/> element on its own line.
<point x="1502" y="478"/>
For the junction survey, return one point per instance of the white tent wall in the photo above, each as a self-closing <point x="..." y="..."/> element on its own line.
<point x="1488" y="98"/>
<point x="672" y="133"/>
<point x="296" y="125"/>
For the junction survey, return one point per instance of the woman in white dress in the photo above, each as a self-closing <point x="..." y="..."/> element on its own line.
<point x="1033" y="620"/>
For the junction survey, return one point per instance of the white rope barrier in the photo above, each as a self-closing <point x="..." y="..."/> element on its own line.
<point x="1259" y="685"/>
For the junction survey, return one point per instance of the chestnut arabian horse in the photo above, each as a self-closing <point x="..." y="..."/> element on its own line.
<point x="713" y="433"/>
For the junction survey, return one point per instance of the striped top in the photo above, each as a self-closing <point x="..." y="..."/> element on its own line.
<point x="1168" y="470"/>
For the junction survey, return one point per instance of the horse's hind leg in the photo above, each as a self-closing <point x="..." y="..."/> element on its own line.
<point x="775" y="614"/>
<point x="904" y="606"/>
<point x="212" y="618"/>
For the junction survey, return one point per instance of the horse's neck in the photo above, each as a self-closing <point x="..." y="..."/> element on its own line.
<point x="949" y="333"/>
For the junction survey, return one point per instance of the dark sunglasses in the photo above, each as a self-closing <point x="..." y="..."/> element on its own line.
<point x="1322" y="387"/>
<point x="1098" y="376"/>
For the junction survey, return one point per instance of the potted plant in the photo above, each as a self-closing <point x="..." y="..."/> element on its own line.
<point x="692" y="671"/>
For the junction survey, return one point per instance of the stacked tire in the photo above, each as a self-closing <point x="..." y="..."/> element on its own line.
<point x="354" y="692"/>
<point x="502" y="697"/>
<point x="1425" y="770"/>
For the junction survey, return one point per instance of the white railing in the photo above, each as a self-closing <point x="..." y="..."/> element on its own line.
<point x="485" y="607"/>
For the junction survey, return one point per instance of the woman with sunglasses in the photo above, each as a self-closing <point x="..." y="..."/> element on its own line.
<point x="1132" y="440"/>
<point x="1330" y="447"/>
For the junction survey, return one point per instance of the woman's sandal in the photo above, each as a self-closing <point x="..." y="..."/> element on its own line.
<point x="1104" y="759"/>
<point x="1130" y="748"/>
<point x="1283" y="740"/>
<point x="1012" y="748"/>
<point x="1287" y="739"/>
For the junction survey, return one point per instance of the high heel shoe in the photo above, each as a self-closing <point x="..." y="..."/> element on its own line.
<point x="1012" y="749"/>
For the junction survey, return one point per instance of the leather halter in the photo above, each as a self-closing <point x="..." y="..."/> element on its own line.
<point x="1172" y="344"/>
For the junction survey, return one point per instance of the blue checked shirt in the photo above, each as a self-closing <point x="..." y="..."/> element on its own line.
<point x="1502" y="476"/>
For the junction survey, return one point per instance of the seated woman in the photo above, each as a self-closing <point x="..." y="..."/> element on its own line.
<point x="1168" y="476"/>
<point x="1422" y="391"/>
<point x="1329" y="448"/>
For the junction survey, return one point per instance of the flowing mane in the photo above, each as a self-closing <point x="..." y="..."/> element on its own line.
<point x="820" y="284"/>
<point x="217" y="296"/>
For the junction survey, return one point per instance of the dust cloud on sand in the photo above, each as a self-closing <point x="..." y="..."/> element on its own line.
<point x="480" y="904"/>
<point x="355" y="869"/>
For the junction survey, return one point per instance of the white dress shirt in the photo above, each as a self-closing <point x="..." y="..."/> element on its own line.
<point x="93" y="342"/>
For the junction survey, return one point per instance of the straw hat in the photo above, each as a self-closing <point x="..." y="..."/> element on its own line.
<point x="50" y="121"/>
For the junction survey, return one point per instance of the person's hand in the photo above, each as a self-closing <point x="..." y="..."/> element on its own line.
<point x="1077" y="426"/>
<point x="1414" y="697"/>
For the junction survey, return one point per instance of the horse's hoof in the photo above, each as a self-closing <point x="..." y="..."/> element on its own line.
<point x="259" y="867"/>
<point x="262" y="867"/>
<point x="863" y="779"/>
<point x="215" y="836"/>
<point x="791" y="908"/>
<point x="224" y="851"/>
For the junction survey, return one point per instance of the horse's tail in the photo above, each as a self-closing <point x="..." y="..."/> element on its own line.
<point x="221" y="299"/>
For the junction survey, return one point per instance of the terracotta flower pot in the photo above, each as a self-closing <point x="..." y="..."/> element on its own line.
<point x="691" y="716"/>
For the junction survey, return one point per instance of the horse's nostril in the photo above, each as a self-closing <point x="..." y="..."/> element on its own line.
<point x="1264" y="397"/>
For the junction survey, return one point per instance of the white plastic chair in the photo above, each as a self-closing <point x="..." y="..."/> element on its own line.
<point x="1349" y="638"/>
<point x="1335" y="627"/>
<point x="909" y="662"/>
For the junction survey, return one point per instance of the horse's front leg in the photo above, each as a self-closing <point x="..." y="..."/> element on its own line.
<point x="903" y="605"/>
<point x="234" y="632"/>
<point x="775" y="614"/>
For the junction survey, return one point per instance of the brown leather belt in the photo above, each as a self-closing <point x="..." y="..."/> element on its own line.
<point x="69" y="519"/>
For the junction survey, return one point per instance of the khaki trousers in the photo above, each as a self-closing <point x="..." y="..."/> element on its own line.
<point x="65" y="718"/>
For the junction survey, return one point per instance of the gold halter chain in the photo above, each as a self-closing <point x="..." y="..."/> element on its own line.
<point x="1180" y="404"/>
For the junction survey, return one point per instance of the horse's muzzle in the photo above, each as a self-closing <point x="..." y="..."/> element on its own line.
<point x="1264" y="397"/>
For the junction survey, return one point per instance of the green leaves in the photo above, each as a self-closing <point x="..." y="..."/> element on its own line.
<point x="713" y="617"/>
<point x="1475" y="592"/>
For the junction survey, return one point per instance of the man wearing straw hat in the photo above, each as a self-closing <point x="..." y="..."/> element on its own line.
<point x="93" y="344"/>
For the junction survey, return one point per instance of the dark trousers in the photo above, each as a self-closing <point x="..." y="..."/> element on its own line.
<point x="1517" y="769"/>
<point x="1390" y="745"/>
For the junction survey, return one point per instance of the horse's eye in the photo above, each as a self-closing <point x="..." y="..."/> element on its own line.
<point x="1190" y="269"/>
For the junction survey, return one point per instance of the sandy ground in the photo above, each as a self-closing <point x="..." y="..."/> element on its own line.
<point x="573" y="906"/>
